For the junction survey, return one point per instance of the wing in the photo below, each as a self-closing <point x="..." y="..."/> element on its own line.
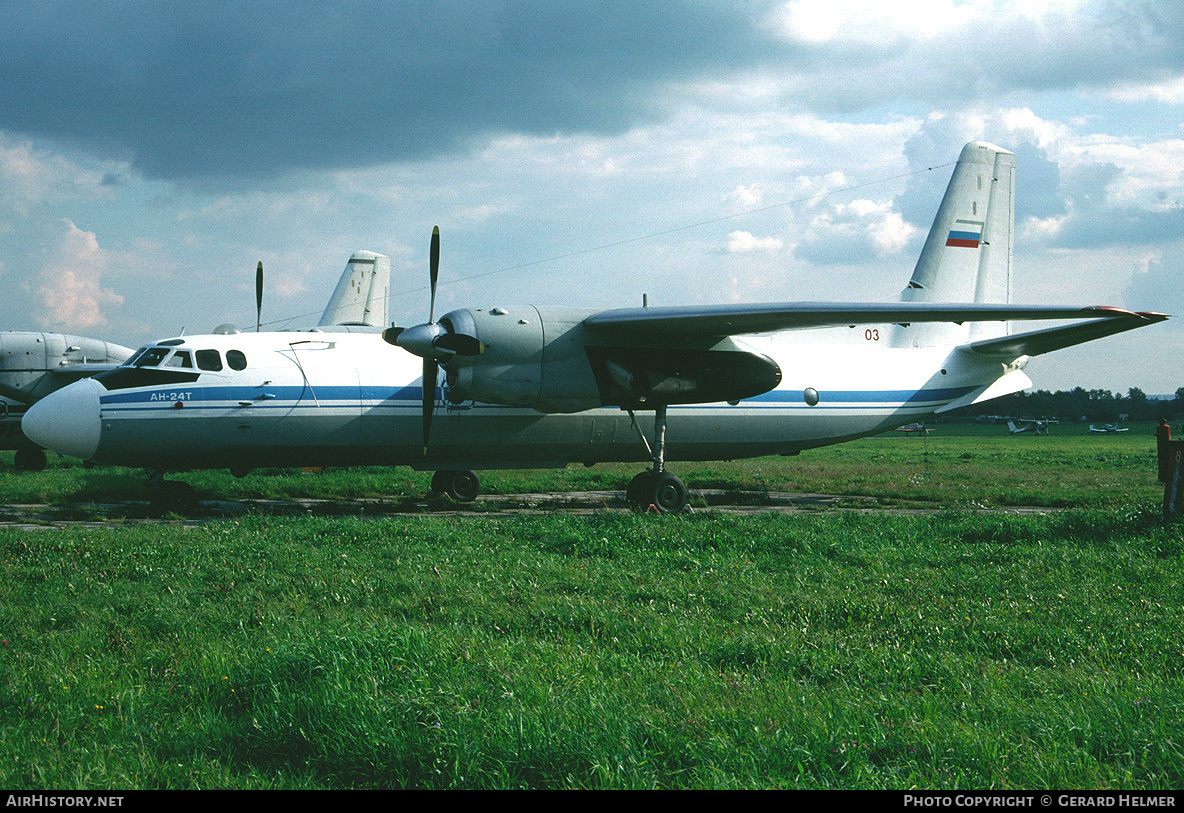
<point x="729" y="320"/>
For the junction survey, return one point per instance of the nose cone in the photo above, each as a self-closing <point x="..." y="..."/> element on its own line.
<point x="67" y="421"/>
<point x="420" y="339"/>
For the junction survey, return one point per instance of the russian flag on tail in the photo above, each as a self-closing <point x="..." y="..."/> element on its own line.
<point x="966" y="234"/>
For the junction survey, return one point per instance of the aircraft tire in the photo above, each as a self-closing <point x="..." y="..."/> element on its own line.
<point x="640" y="493"/>
<point x="173" y="495"/>
<point x="462" y="486"/>
<point x="670" y="494"/>
<point x="30" y="460"/>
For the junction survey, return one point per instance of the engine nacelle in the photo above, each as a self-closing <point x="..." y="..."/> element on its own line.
<point x="555" y="363"/>
<point x="528" y="360"/>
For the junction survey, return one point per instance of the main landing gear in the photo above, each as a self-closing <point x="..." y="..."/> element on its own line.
<point x="462" y="486"/>
<point x="657" y="488"/>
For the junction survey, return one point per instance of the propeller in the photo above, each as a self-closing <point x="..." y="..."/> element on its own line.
<point x="433" y="342"/>
<point x="431" y="367"/>
<point x="259" y="296"/>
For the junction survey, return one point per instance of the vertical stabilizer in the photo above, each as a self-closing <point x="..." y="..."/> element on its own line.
<point x="361" y="294"/>
<point x="967" y="255"/>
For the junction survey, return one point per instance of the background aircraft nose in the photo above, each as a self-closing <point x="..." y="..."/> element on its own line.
<point x="67" y="421"/>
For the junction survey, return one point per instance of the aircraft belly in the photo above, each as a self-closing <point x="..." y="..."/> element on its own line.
<point x="494" y="436"/>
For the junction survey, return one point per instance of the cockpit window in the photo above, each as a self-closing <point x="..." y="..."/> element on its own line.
<point x="131" y="362"/>
<point x="236" y="360"/>
<point x="150" y="357"/>
<point x="180" y="358"/>
<point x="209" y="360"/>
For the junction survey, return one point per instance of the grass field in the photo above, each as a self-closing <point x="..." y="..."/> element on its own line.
<point x="951" y="649"/>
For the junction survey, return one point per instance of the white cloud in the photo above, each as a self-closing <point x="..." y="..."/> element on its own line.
<point x="854" y="232"/>
<point x="1169" y="91"/>
<point x="742" y="242"/>
<point x="71" y="293"/>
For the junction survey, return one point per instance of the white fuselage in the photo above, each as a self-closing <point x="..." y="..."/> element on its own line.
<point x="312" y="399"/>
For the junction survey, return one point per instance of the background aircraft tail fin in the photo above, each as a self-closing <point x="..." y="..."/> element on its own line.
<point x="362" y="292"/>
<point x="967" y="255"/>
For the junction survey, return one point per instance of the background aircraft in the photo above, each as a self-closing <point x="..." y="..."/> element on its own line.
<point x="1106" y="429"/>
<point x="524" y="386"/>
<point x="1036" y="427"/>
<point x="32" y="365"/>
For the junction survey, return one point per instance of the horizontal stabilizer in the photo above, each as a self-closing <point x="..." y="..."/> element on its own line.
<point x="730" y="320"/>
<point x="1009" y="382"/>
<point x="1037" y="342"/>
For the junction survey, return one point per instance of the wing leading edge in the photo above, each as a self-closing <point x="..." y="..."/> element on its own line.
<point x="730" y="320"/>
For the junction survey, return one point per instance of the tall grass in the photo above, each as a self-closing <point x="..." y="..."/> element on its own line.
<point x="605" y="651"/>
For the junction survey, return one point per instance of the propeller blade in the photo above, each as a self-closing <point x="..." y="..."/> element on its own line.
<point x="434" y="267"/>
<point x="429" y="398"/>
<point x="259" y="296"/>
<point x="460" y="344"/>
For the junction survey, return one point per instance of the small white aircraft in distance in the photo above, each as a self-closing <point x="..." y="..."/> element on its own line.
<point x="1107" y="429"/>
<point x="525" y="386"/>
<point x="32" y="365"/>
<point x="914" y="427"/>
<point x="1036" y="427"/>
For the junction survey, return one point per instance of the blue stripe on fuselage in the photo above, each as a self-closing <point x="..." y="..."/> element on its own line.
<point x="289" y="396"/>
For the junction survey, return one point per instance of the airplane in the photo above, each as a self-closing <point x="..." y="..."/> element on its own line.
<point x="32" y="365"/>
<point x="914" y="427"/>
<point x="1037" y="427"/>
<point x="528" y="386"/>
<point x="1106" y="429"/>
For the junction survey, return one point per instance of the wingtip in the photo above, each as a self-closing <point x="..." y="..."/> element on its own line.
<point x="1113" y="310"/>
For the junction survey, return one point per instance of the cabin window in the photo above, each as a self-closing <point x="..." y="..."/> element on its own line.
<point x="236" y="360"/>
<point x="209" y="360"/>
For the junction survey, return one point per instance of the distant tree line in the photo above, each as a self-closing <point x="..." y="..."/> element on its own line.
<point x="1080" y="404"/>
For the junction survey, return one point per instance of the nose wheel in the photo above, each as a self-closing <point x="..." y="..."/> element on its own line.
<point x="30" y="460"/>
<point x="656" y="487"/>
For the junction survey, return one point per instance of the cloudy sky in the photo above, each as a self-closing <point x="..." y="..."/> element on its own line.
<point x="580" y="153"/>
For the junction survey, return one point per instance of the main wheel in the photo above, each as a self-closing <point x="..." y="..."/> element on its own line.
<point x="462" y="486"/>
<point x="640" y="493"/>
<point x="670" y="494"/>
